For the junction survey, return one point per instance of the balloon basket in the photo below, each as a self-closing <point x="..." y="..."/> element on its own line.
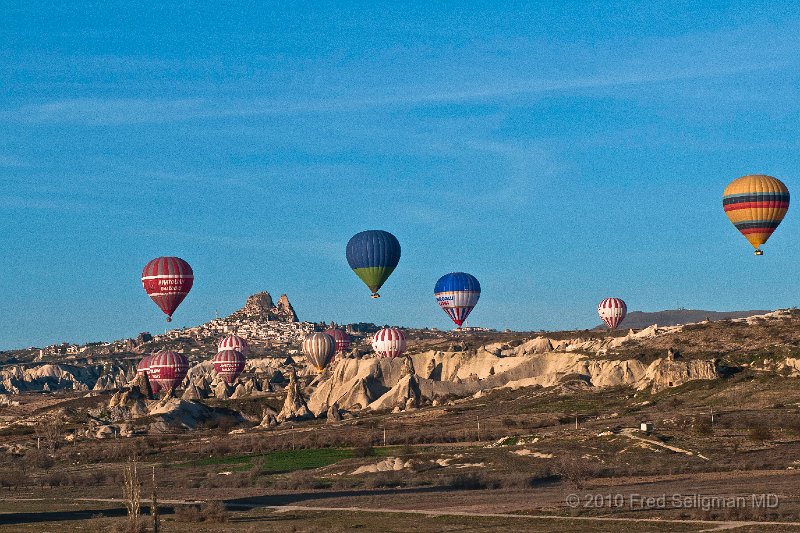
<point x="758" y="252"/>
<point x="375" y="295"/>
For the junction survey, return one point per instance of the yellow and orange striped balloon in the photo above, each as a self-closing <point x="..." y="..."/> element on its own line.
<point x="756" y="205"/>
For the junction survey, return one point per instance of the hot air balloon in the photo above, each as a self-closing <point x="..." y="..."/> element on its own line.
<point x="144" y="368"/>
<point x="373" y="256"/>
<point x="144" y="365"/>
<point x="389" y="342"/>
<point x="756" y="205"/>
<point x="612" y="311"/>
<point x="342" y="339"/>
<point x="457" y="293"/>
<point x="319" y="348"/>
<point x="229" y="364"/>
<point x="167" y="280"/>
<point x="168" y="369"/>
<point x="234" y="342"/>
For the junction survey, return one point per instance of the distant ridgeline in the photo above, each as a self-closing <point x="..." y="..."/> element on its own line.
<point x="676" y="317"/>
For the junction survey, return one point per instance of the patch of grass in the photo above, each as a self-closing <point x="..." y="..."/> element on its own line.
<point x="244" y="460"/>
<point x="291" y="460"/>
<point x="284" y="461"/>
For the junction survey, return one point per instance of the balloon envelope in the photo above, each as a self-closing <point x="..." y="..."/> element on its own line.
<point x="168" y="369"/>
<point x="319" y="348"/>
<point x="457" y="294"/>
<point x="144" y="368"/>
<point x="756" y="205"/>
<point x="373" y="255"/>
<point x="229" y="364"/>
<point x="612" y="311"/>
<point x="389" y="342"/>
<point x="167" y="281"/>
<point x="342" y="339"/>
<point x="144" y="365"/>
<point x="234" y="342"/>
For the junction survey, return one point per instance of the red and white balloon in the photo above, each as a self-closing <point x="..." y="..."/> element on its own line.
<point x="612" y="311"/>
<point x="167" y="281"/>
<point x="342" y="339"/>
<point x="234" y="342"/>
<point x="168" y="369"/>
<point x="228" y="364"/>
<point x="389" y="342"/>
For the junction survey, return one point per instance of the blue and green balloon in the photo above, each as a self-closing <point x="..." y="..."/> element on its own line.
<point x="373" y="255"/>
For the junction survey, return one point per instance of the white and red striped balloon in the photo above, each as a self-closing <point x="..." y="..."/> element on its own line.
<point x="168" y="369"/>
<point x="167" y="281"/>
<point x="612" y="311"/>
<point x="144" y="365"/>
<point x="234" y="342"/>
<point x="144" y="368"/>
<point x="229" y="364"/>
<point x="342" y="339"/>
<point x="389" y="342"/>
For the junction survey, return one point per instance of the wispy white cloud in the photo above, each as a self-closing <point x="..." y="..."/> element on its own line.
<point x="10" y="161"/>
<point x="484" y="75"/>
<point x="107" y="111"/>
<point x="320" y="248"/>
<point x="43" y="204"/>
<point x="120" y="111"/>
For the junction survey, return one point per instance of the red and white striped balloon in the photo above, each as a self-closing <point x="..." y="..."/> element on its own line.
<point x="234" y="342"/>
<point x="342" y="339"/>
<point x="229" y="364"/>
<point x="167" y="281"/>
<point x="612" y="311"/>
<point x="389" y="342"/>
<point x="144" y="365"/>
<point x="144" y="368"/>
<point x="168" y="369"/>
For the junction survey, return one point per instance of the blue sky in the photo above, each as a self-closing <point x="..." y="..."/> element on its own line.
<point x="560" y="152"/>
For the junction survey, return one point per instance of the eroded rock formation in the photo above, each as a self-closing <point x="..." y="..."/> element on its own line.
<point x="295" y="407"/>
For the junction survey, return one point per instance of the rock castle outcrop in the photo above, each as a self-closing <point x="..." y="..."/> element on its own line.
<point x="260" y="306"/>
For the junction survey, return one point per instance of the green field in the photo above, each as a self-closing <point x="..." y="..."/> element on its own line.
<point x="284" y="461"/>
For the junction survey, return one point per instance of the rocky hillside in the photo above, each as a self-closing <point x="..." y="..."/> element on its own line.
<point x="439" y="369"/>
<point x="676" y="317"/>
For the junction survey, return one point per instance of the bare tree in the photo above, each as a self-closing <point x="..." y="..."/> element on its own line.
<point x="132" y="489"/>
<point x="574" y="469"/>
<point x="51" y="432"/>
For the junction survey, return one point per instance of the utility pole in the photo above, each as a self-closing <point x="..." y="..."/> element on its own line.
<point x="479" y="427"/>
<point x="712" y="418"/>
<point x="384" y="436"/>
<point x="154" y="509"/>
<point x="576" y="421"/>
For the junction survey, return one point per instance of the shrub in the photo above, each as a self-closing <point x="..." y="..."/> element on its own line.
<point x="574" y="469"/>
<point x="702" y="426"/>
<point x="384" y="480"/>
<point x="363" y="451"/>
<point x="760" y="433"/>
<point x="214" y="512"/>
<point x="187" y="513"/>
<point x="472" y="481"/>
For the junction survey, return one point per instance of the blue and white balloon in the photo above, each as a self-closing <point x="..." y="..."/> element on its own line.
<point x="457" y="294"/>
